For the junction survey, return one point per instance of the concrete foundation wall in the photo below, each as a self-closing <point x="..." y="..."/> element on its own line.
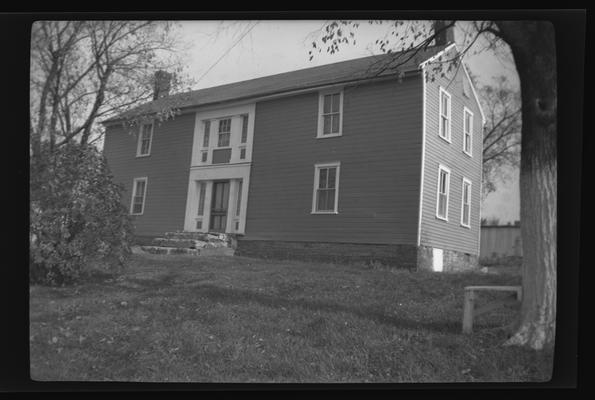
<point x="453" y="261"/>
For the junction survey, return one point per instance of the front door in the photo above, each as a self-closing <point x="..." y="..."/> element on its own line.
<point x="219" y="206"/>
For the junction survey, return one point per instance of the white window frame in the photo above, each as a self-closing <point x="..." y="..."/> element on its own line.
<point x="320" y="132"/>
<point x="465" y="112"/>
<point x="206" y="137"/>
<point x="447" y="170"/>
<point x="466" y="182"/>
<point x="449" y="114"/>
<point x="134" y="181"/>
<point x="219" y="133"/>
<point x="245" y="118"/>
<point x="140" y="140"/>
<point x="317" y="168"/>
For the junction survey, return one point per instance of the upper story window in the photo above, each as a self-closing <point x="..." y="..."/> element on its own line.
<point x="443" y="192"/>
<point x="467" y="131"/>
<point x="206" y="134"/>
<point x="330" y="114"/>
<point x="444" y="128"/>
<point x="244" y="137"/>
<point x="139" y="189"/>
<point x="466" y="203"/>
<point x="224" y="134"/>
<point x="326" y="188"/>
<point x="145" y="138"/>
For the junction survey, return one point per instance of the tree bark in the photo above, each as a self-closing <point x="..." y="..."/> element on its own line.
<point x="533" y="49"/>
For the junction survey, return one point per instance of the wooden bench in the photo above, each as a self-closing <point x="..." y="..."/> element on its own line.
<point x="469" y="310"/>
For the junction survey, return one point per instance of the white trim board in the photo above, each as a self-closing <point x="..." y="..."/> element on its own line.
<point x="423" y="154"/>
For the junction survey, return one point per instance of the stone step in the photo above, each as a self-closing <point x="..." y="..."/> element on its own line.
<point x="196" y="236"/>
<point x="206" y="251"/>
<point x="200" y="239"/>
<point x="169" y="250"/>
<point x="171" y="242"/>
<point x="188" y="243"/>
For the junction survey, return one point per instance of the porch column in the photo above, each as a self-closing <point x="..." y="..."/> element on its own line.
<point x="206" y="219"/>
<point x="233" y="195"/>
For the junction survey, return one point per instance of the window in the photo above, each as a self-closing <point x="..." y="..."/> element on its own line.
<point x="326" y="188"/>
<point x="144" y="140"/>
<point x="444" y="128"/>
<point x="242" y="153"/>
<point x="239" y="202"/>
<point x="244" y="128"/>
<point x="443" y="188"/>
<point x="139" y="189"/>
<point x="467" y="131"/>
<point x="204" y="156"/>
<point x="330" y="114"/>
<point x="206" y="134"/>
<point x="202" y="188"/>
<point x="224" y="132"/>
<point x="466" y="203"/>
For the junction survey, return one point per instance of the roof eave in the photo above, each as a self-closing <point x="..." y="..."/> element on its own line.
<point x="282" y="93"/>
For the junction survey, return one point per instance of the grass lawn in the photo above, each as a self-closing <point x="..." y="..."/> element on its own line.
<point x="235" y="319"/>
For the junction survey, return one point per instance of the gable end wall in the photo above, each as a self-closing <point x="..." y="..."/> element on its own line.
<point x="450" y="235"/>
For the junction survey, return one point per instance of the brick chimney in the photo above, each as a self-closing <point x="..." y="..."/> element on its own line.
<point x="161" y="84"/>
<point x="444" y="36"/>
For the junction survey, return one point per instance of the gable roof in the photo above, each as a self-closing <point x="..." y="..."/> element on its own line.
<point x="446" y="49"/>
<point x="340" y="72"/>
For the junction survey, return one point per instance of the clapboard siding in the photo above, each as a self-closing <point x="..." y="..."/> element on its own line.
<point x="380" y="156"/>
<point x="450" y="234"/>
<point x="166" y="168"/>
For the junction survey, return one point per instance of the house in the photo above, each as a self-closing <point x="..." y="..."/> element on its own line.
<point x="349" y="160"/>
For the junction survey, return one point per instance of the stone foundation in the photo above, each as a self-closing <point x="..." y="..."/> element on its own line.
<point x="399" y="256"/>
<point x="392" y="255"/>
<point x="453" y="261"/>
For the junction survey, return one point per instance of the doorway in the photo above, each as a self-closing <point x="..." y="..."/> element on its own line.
<point x="219" y="205"/>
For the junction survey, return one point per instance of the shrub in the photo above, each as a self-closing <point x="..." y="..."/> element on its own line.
<point x="75" y="215"/>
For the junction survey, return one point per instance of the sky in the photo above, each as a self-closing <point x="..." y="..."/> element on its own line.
<point x="221" y="52"/>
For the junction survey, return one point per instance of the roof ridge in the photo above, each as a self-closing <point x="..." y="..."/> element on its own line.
<point x="314" y="67"/>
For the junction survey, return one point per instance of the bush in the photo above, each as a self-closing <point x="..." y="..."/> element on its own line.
<point x="75" y="215"/>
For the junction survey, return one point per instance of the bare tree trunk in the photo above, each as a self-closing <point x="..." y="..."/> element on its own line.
<point x="533" y="48"/>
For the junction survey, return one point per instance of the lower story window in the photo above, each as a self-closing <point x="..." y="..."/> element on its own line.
<point x="442" y="195"/>
<point x="139" y="189"/>
<point x="201" y="188"/>
<point x="326" y="188"/>
<point x="466" y="203"/>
